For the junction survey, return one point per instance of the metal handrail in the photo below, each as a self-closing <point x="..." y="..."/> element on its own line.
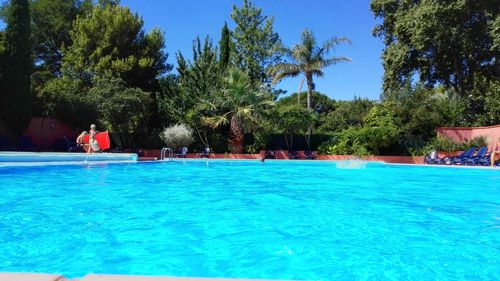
<point x="167" y="151"/>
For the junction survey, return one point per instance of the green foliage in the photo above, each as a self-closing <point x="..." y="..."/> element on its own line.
<point x="16" y="97"/>
<point x="344" y="114"/>
<point x="484" y="102"/>
<point x="197" y="82"/>
<point x="256" y="43"/>
<point x="65" y="99"/>
<point x="292" y="119"/>
<point x="240" y="104"/>
<point x="380" y="130"/>
<point x="445" y="42"/>
<point x="112" y="40"/>
<point x="121" y="109"/>
<point x="308" y="59"/>
<point x="225" y="48"/>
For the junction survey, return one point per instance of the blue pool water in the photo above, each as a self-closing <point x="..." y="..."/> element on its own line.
<point x="276" y="220"/>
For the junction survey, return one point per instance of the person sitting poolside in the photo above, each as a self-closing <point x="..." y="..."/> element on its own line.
<point x="80" y="142"/>
<point x="494" y="153"/>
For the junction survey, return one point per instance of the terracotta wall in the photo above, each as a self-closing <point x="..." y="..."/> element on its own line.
<point x="492" y="133"/>
<point x="44" y="131"/>
<point x="150" y="154"/>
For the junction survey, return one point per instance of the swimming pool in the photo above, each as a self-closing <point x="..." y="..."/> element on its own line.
<point x="245" y="219"/>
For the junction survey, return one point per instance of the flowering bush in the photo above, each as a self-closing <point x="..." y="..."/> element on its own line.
<point x="177" y="136"/>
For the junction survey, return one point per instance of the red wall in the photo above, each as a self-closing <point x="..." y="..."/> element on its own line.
<point x="44" y="131"/>
<point x="155" y="153"/>
<point x="492" y="133"/>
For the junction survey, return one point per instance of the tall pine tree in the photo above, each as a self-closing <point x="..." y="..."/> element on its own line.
<point x="16" y="97"/>
<point x="225" y="48"/>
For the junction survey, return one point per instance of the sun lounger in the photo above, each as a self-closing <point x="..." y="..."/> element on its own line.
<point x="205" y="153"/>
<point x="474" y="160"/>
<point x="292" y="154"/>
<point x="432" y="158"/>
<point x="310" y="155"/>
<point x="182" y="153"/>
<point x="452" y="160"/>
<point x="26" y="144"/>
<point x="5" y="144"/>
<point x="270" y="154"/>
<point x="460" y="160"/>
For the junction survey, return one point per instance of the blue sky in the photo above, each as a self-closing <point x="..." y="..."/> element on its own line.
<point x="183" y="20"/>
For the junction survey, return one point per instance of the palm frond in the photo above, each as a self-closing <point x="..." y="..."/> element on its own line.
<point x="331" y="43"/>
<point x="335" y="60"/>
<point x="284" y="70"/>
<point x="216" y="121"/>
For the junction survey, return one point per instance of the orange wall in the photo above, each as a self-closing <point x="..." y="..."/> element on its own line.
<point x="44" y="131"/>
<point x="492" y="133"/>
<point x="284" y="155"/>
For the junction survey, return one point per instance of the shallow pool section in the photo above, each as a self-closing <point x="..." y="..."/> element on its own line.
<point x="245" y="219"/>
<point x="14" y="158"/>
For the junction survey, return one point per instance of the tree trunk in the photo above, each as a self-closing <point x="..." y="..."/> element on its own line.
<point x="236" y="135"/>
<point x="309" y="90"/>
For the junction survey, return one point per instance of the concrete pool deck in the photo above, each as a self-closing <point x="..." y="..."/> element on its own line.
<point x="104" y="277"/>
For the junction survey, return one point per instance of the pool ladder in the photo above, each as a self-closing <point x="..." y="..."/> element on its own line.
<point x="167" y="154"/>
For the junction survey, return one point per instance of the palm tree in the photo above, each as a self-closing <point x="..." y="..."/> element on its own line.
<point x="239" y="104"/>
<point x="308" y="59"/>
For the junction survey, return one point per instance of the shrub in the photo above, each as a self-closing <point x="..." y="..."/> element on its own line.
<point x="445" y="144"/>
<point x="177" y="136"/>
<point x="477" y="142"/>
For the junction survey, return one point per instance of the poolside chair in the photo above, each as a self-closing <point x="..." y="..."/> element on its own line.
<point x="205" y="153"/>
<point x="310" y="155"/>
<point x="26" y="144"/>
<point x="270" y="154"/>
<point x="5" y="144"/>
<point x="432" y="158"/>
<point x="292" y="154"/>
<point x="72" y="146"/>
<point x="182" y="153"/>
<point x="474" y="160"/>
<point x="460" y="159"/>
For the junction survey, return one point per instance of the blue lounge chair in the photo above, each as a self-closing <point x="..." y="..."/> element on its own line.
<point x="452" y="160"/>
<point x="26" y="144"/>
<point x="432" y="158"/>
<point x="460" y="160"/>
<point x="182" y="152"/>
<point x="270" y="154"/>
<point x="474" y="160"/>
<point x="310" y="155"/>
<point x="205" y="153"/>
<point x="292" y="154"/>
<point x="5" y="144"/>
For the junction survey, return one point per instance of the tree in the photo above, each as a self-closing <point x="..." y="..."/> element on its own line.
<point x="225" y="48"/>
<point x="443" y="42"/>
<point x="121" y="109"/>
<point x="292" y="119"/>
<point x="308" y="59"/>
<point x="256" y="43"/>
<point x="112" y="40"/>
<point x="51" y="23"/>
<point x="16" y="100"/>
<point x="239" y="104"/>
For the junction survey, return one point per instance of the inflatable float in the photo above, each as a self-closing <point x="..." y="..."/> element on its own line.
<point x="102" y="138"/>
